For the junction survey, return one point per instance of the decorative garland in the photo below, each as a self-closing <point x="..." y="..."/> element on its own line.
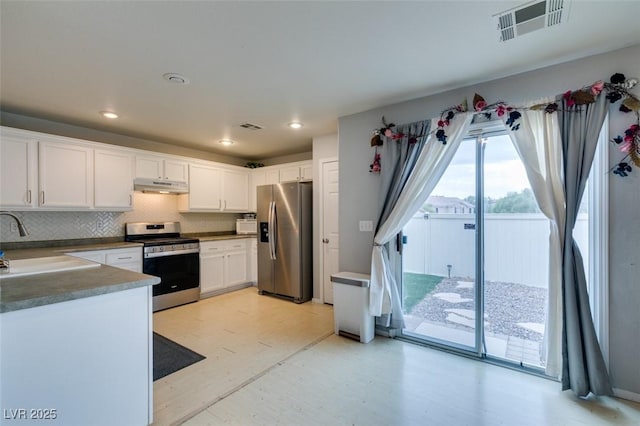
<point x="617" y="89"/>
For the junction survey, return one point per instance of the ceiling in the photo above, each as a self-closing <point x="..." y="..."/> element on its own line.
<point x="267" y="63"/>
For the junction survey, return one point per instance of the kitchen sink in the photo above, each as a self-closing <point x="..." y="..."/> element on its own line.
<point x="44" y="265"/>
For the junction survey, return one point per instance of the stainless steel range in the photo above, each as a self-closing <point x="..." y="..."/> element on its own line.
<point x="172" y="258"/>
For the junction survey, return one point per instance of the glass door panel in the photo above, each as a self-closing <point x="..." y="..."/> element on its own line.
<point x="438" y="289"/>
<point x="516" y="257"/>
<point x="475" y="275"/>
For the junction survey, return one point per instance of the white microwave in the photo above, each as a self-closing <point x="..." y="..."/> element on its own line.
<point x="246" y="226"/>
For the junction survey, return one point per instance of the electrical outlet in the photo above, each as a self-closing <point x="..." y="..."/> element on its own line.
<point x="99" y="226"/>
<point x="13" y="228"/>
<point x="366" y="226"/>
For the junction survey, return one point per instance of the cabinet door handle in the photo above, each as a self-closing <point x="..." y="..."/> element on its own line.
<point x="130" y="200"/>
<point x="225" y="204"/>
<point x="28" y="196"/>
<point x="124" y="258"/>
<point x="42" y="195"/>
<point x="219" y="204"/>
<point x="325" y="240"/>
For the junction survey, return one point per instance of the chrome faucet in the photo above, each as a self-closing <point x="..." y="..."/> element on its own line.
<point x="21" y="229"/>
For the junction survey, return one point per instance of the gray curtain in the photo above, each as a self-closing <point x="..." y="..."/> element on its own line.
<point x="583" y="367"/>
<point x="398" y="159"/>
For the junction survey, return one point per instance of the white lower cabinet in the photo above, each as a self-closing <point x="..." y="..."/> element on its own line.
<point x="253" y="260"/>
<point x="211" y="266"/>
<point x="235" y="263"/>
<point x="223" y="264"/>
<point x="82" y="362"/>
<point x="125" y="258"/>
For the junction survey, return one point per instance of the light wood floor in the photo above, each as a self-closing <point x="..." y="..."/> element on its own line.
<point x="273" y="362"/>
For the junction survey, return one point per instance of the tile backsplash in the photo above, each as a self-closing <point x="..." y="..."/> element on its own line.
<point x="44" y="225"/>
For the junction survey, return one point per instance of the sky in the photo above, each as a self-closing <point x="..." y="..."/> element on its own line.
<point x="503" y="170"/>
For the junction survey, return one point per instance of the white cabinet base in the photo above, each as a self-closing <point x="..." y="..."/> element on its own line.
<point x="88" y="359"/>
<point x="223" y="266"/>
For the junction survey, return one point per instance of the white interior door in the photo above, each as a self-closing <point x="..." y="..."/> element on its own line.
<point x="330" y="231"/>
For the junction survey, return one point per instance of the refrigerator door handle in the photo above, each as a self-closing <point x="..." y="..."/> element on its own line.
<point x="272" y="230"/>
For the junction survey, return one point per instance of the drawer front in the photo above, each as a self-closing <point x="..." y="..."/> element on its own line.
<point x="115" y="257"/>
<point x="94" y="256"/>
<point x="211" y="248"/>
<point x="131" y="266"/>
<point x="235" y="245"/>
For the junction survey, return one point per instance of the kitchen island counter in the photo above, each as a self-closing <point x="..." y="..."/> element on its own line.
<point x="23" y="292"/>
<point x="78" y="342"/>
<point x="17" y="251"/>
<point x="44" y="289"/>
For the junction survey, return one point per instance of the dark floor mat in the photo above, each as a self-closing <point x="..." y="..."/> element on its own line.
<point x="169" y="356"/>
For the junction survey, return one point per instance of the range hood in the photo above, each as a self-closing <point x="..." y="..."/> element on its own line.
<point x="160" y="186"/>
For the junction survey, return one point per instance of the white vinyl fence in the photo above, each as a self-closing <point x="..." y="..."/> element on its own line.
<point x="516" y="246"/>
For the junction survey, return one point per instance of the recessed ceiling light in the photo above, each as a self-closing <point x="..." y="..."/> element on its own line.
<point x="175" y="78"/>
<point x="108" y="114"/>
<point x="226" y="142"/>
<point x="295" y="125"/>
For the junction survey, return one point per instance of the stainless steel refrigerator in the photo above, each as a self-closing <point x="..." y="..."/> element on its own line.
<point x="284" y="241"/>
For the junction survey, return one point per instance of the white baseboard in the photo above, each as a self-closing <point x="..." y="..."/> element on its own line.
<point x="624" y="394"/>
<point x="207" y="294"/>
<point x="316" y="300"/>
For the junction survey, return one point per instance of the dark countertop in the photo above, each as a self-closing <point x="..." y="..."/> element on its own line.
<point x="55" y="287"/>
<point x="33" y="252"/>
<point x="44" y="289"/>
<point x="227" y="237"/>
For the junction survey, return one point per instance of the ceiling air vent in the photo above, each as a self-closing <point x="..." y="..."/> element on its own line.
<point x="531" y="16"/>
<point x="250" y="126"/>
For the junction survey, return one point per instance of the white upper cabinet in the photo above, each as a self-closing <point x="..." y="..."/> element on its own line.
<point x="306" y="171"/>
<point x="65" y="175"/>
<point x="258" y="177"/>
<point x="149" y="167"/>
<point x="204" y="190"/>
<point x="156" y="167"/>
<point x="296" y="172"/>
<point x="113" y="180"/>
<point x="18" y="171"/>
<point x="235" y="188"/>
<point x="214" y="189"/>
<point x="272" y="176"/>
<point x="176" y="170"/>
<point x="292" y="172"/>
<point x="289" y="174"/>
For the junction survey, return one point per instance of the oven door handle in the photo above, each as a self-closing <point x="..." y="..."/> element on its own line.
<point x="170" y="253"/>
<point x="272" y="230"/>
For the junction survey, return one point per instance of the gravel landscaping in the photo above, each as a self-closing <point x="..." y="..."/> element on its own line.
<point x="506" y="304"/>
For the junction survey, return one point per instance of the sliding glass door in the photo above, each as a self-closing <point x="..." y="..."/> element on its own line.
<point x="439" y="271"/>
<point x="475" y="259"/>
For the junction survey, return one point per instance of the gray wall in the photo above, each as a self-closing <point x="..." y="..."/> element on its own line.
<point x="359" y="189"/>
<point x="291" y="158"/>
<point x="61" y="129"/>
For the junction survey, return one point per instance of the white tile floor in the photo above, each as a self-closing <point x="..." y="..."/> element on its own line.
<point x="266" y="365"/>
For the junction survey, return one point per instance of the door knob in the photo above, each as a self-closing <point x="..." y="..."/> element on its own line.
<point x="325" y="240"/>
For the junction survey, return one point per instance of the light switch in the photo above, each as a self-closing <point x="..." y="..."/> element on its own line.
<point x="366" y="226"/>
